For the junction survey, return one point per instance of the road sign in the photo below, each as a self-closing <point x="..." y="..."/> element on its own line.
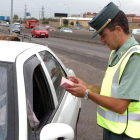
<point x="2" y="17"/>
<point x="7" y="18"/>
<point x="60" y="14"/>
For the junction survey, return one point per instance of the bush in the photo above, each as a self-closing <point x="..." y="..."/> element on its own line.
<point x="59" y="27"/>
<point x="65" y="25"/>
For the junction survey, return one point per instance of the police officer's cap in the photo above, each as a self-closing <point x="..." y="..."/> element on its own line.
<point x="101" y="20"/>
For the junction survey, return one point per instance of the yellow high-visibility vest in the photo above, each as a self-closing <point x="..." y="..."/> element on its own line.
<point x="129" y="121"/>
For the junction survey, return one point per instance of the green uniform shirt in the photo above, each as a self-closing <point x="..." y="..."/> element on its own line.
<point x="130" y="81"/>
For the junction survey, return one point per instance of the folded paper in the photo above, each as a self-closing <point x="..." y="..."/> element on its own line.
<point x="65" y="83"/>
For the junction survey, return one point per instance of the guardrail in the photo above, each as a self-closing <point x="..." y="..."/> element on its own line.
<point x="23" y="36"/>
<point x="82" y="36"/>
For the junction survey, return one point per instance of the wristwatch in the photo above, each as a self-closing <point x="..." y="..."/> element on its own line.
<point x="86" y="94"/>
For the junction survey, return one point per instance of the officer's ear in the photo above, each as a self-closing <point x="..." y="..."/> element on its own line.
<point x="119" y="30"/>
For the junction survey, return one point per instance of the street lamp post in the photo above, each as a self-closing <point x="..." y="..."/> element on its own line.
<point x="11" y="16"/>
<point x="68" y="12"/>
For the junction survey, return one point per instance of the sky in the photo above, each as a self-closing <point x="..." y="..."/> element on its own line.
<point x="34" y="7"/>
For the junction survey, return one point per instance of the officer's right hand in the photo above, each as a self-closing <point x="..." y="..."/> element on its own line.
<point x="77" y="80"/>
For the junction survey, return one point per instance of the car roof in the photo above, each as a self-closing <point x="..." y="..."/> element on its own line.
<point x="11" y="49"/>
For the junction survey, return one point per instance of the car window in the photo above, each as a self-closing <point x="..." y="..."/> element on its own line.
<point x="3" y="100"/>
<point x="39" y="28"/>
<point x="39" y="98"/>
<point x="55" y="70"/>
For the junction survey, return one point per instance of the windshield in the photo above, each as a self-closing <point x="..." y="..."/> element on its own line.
<point x="34" y="24"/>
<point x="3" y="102"/>
<point x="43" y="29"/>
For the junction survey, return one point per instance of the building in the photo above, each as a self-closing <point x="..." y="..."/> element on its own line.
<point x="89" y="15"/>
<point x="83" y="22"/>
<point x="133" y="18"/>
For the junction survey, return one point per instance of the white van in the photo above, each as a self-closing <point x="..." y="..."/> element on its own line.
<point x="91" y="29"/>
<point x="136" y="31"/>
<point x="18" y="25"/>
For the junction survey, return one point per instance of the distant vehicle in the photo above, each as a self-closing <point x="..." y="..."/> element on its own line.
<point x="5" y="24"/>
<point x="31" y="24"/>
<point x="39" y="31"/>
<point x="15" y="29"/>
<point x="91" y="29"/>
<point x="46" y="27"/>
<point x="77" y="28"/>
<point x="51" y="29"/>
<point x="66" y="29"/>
<point x="18" y="25"/>
<point x="136" y="31"/>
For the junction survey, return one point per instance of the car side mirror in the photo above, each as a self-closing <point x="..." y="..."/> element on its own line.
<point x="53" y="131"/>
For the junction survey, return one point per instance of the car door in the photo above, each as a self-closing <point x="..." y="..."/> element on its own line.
<point x="44" y="102"/>
<point x="68" y="105"/>
<point x="33" y="31"/>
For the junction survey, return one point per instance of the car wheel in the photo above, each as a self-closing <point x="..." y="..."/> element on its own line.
<point x="35" y="36"/>
<point x="47" y="36"/>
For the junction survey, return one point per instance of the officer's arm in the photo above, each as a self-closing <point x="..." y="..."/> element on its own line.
<point x="95" y="89"/>
<point x="114" y="104"/>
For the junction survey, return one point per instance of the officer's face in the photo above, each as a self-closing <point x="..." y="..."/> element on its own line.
<point x="110" y="38"/>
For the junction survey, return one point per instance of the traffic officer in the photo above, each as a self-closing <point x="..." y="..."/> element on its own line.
<point x="118" y="110"/>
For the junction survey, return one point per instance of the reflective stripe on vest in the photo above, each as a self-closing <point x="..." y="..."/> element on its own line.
<point x="110" y="115"/>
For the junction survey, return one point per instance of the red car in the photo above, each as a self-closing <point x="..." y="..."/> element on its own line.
<point x="51" y="29"/>
<point x="39" y="31"/>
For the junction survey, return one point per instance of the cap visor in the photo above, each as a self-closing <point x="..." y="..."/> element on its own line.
<point x="95" y="34"/>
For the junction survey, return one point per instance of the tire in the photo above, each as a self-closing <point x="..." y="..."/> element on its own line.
<point x="47" y="36"/>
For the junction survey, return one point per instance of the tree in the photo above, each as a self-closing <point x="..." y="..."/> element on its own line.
<point x="65" y="22"/>
<point x="72" y="23"/>
<point x="15" y="17"/>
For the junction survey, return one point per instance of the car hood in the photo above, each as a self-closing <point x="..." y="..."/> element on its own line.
<point x="40" y="31"/>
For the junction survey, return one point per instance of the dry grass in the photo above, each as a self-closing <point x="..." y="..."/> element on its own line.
<point x="12" y="37"/>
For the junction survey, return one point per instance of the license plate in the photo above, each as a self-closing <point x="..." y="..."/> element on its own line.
<point x="42" y="34"/>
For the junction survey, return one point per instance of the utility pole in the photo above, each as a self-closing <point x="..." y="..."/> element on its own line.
<point x="25" y="11"/>
<point x="11" y="17"/>
<point x="39" y="17"/>
<point x="42" y="12"/>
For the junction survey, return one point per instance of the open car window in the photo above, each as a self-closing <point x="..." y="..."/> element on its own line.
<point x="55" y="70"/>
<point x="39" y="99"/>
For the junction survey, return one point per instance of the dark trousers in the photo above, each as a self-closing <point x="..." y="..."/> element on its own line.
<point x="108" y="135"/>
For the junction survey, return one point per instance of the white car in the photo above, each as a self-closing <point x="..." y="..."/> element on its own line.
<point x="18" y="25"/>
<point x="91" y="29"/>
<point x="136" y="31"/>
<point x="33" y="105"/>
<point x="65" y="29"/>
